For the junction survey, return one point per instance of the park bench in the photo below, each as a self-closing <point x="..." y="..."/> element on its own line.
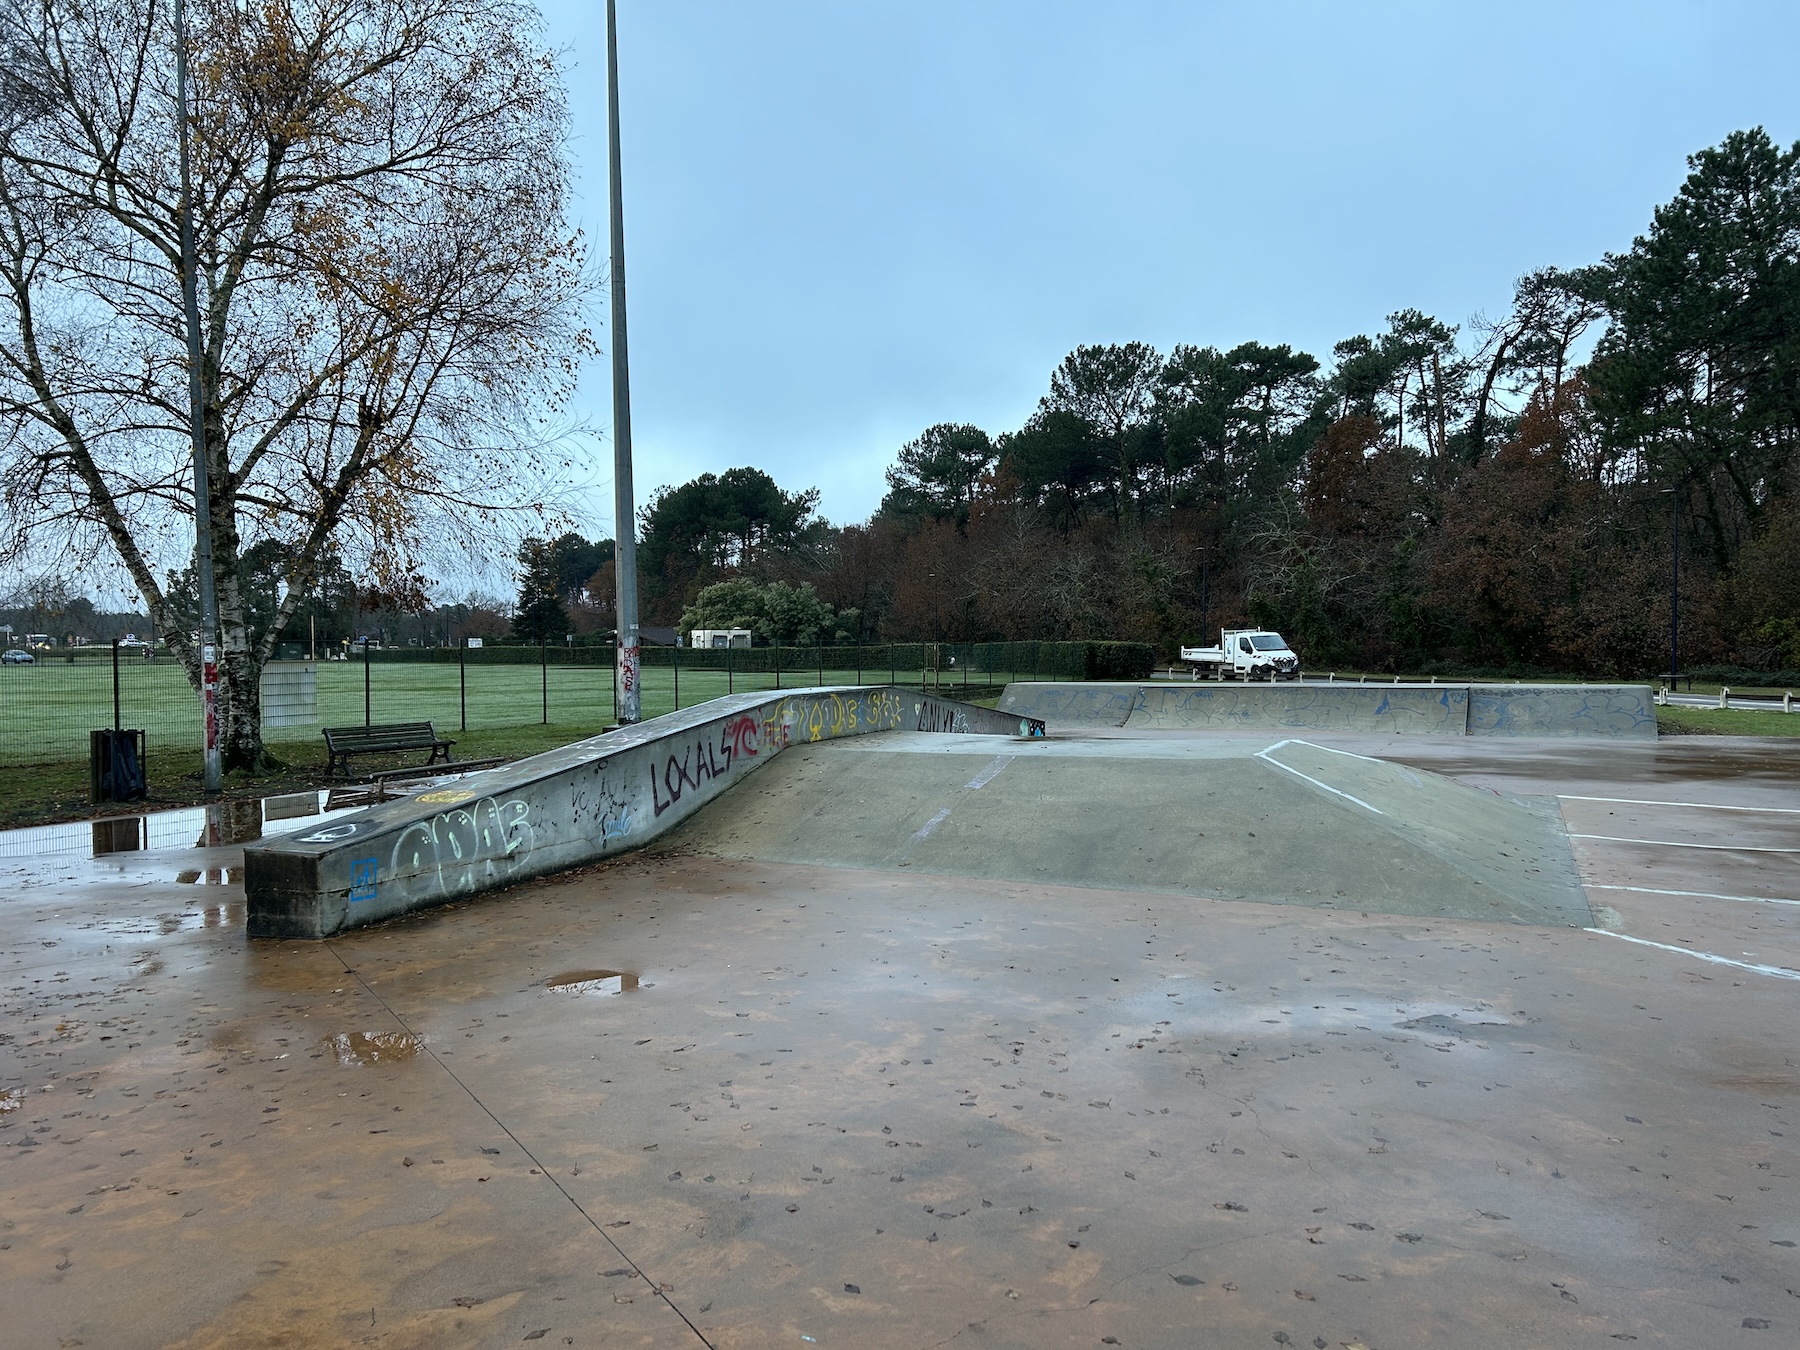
<point x="343" y="742"/>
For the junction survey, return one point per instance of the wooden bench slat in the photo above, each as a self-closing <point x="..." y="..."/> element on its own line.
<point x="343" y="742"/>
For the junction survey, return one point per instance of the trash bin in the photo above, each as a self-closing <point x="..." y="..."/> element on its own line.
<point x="116" y="765"/>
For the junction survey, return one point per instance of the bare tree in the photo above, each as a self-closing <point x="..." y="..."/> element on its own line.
<point x="389" y="288"/>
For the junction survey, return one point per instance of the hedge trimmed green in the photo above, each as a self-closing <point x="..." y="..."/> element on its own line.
<point x="878" y="661"/>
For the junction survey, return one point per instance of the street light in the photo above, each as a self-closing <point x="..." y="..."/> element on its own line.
<point x="625" y="664"/>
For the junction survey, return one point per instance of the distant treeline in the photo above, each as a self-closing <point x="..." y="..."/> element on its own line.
<point x="1507" y="495"/>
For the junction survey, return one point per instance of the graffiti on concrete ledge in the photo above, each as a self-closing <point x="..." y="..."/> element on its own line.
<point x="701" y="760"/>
<point x="484" y="840"/>
<point x="935" y="718"/>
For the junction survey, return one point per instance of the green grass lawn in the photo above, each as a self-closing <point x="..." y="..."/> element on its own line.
<point x="47" y="709"/>
<point x="1675" y="720"/>
<point x="46" y="712"/>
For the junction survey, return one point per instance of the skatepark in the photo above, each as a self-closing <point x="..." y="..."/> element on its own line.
<point x="1355" y="1016"/>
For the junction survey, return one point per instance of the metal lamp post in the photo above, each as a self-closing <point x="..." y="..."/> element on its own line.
<point x="626" y="670"/>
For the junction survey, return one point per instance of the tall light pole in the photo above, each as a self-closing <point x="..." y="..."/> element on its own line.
<point x="203" y="558"/>
<point x="625" y="528"/>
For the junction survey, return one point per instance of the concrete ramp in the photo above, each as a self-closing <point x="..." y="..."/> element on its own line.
<point x="1289" y="824"/>
<point x="1090" y="704"/>
<point x="1553" y="710"/>
<point x="564" y="808"/>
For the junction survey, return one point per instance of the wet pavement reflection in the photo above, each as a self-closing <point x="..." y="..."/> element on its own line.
<point x="872" y="1108"/>
<point x="128" y="845"/>
<point x="352" y="1048"/>
<point x="593" y="982"/>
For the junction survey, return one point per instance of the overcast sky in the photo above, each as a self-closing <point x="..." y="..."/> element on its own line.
<point x="847" y="221"/>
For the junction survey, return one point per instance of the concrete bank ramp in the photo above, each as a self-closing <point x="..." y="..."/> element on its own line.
<point x="1547" y="710"/>
<point x="1290" y="823"/>
<point x="566" y="807"/>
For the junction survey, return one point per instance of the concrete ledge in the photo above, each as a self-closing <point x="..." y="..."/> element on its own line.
<point x="563" y="808"/>
<point x="1624" y="710"/>
<point x="1548" y="710"/>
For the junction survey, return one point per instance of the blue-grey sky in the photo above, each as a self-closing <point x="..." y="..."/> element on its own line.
<point x="847" y="221"/>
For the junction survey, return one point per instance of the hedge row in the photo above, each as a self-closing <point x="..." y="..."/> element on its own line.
<point x="1015" y="660"/>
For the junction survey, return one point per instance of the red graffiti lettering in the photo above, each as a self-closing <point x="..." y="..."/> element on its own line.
<point x="741" y="737"/>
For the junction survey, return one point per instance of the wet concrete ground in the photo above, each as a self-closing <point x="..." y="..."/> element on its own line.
<point x="871" y="1108"/>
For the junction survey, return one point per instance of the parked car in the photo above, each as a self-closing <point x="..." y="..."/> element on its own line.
<point x="17" y="656"/>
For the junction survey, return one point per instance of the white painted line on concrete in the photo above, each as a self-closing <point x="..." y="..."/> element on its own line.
<point x="1264" y="756"/>
<point x="991" y="772"/>
<point x="1697" y="806"/>
<point x="1672" y="843"/>
<point x="1697" y="895"/>
<point x="930" y="825"/>
<point x="1779" y="972"/>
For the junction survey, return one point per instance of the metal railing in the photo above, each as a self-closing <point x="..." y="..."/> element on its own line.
<point x="48" y="708"/>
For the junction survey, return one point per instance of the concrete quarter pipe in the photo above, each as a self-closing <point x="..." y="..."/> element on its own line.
<point x="1549" y="710"/>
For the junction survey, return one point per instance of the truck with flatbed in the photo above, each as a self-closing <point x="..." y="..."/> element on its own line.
<point x="1244" y="654"/>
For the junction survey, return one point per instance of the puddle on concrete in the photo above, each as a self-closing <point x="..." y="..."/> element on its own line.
<point x="146" y="927"/>
<point x="371" y="1047"/>
<point x="1459" y="1024"/>
<point x="221" y="824"/>
<point x="593" y="982"/>
<point x="210" y="876"/>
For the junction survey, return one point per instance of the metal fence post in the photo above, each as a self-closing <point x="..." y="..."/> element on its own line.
<point x="544" y="671"/>
<point x="730" y="681"/>
<point x="821" y="665"/>
<point x="612" y="654"/>
<point x="677" y="650"/>
<point x="462" y="683"/>
<point x="893" y="666"/>
<point x="115" y="660"/>
<point x="778" y="665"/>
<point x="366" y="701"/>
<point x="859" y="660"/>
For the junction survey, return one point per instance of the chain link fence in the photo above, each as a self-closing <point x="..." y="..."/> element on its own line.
<point x="47" y="708"/>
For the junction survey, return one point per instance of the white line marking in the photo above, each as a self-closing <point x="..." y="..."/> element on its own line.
<point x="1264" y="756"/>
<point x="930" y="825"/>
<point x="1779" y="972"/>
<point x="1697" y="806"/>
<point x="1671" y="843"/>
<point x="1698" y="895"/>
<point x="991" y="772"/>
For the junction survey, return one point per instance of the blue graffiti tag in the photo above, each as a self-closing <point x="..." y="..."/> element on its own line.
<point x="362" y="879"/>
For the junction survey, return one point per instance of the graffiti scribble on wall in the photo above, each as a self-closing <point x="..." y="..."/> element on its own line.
<point x="467" y="845"/>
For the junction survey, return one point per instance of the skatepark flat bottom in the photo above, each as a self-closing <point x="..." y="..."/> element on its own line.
<point x="684" y="1099"/>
